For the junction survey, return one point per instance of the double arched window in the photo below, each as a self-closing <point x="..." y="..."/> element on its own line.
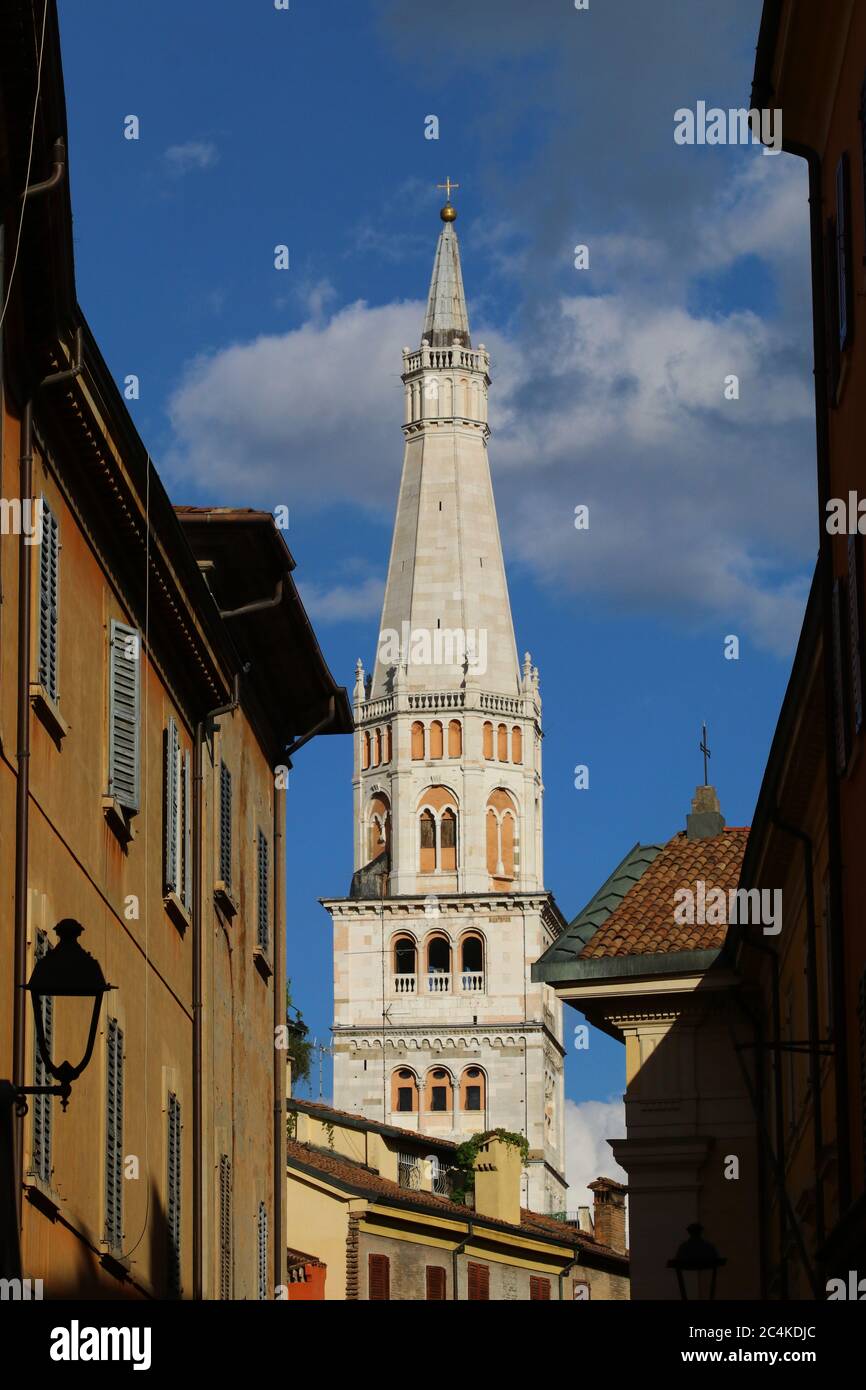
<point x="437" y="831"/>
<point x="378" y="826"/>
<point x="501" y="820"/>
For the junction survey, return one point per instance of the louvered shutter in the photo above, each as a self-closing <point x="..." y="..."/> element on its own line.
<point x="226" y="827"/>
<point x="263" y="935"/>
<point x="855" y="628"/>
<point x="435" y="1282"/>
<point x="843" y="252"/>
<point x="172" y="808"/>
<point x="174" y="1193"/>
<point x="49" y="592"/>
<point x="124" y="732"/>
<point x="840" y="702"/>
<point x="42" y="1105"/>
<point x="225" y="1233"/>
<point x="538" y="1288"/>
<point x="114" y="1138"/>
<point x="379" y="1271"/>
<point x="186" y="878"/>
<point x="479" y="1282"/>
<point x="263" y="1251"/>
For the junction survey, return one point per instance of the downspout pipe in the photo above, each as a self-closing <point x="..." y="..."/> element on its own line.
<point x="566" y="1270"/>
<point x="813" y="1017"/>
<point x="298" y="743"/>
<point x="458" y="1250"/>
<point x="279" y="1021"/>
<point x="203" y="726"/>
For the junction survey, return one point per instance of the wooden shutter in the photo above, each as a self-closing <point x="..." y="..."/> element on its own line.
<point x="41" y="1107"/>
<point x="172" y="808"/>
<point x="843" y="253"/>
<point x="225" y="1231"/>
<point x="263" y="1251"/>
<point x="379" y="1278"/>
<point x="263" y="856"/>
<point x="173" y="1191"/>
<point x="855" y="628"/>
<point x="124" y="732"/>
<point x="435" y="1282"/>
<point x="479" y="1282"/>
<point x="49" y="591"/>
<point x="114" y="1138"/>
<point x="840" y="687"/>
<point x="186" y="834"/>
<point x="226" y="827"/>
<point x="538" y="1288"/>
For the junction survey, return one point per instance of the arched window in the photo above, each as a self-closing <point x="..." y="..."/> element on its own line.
<point x="405" y="965"/>
<point x="436" y="748"/>
<point x="472" y="963"/>
<point x="473" y="1089"/>
<point x="506" y="840"/>
<point x="488" y="740"/>
<point x="492" y="841"/>
<point x="501" y="822"/>
<point x="386" y="744"/>
<point x="502" y="743"/>
<point x="417" y="741"/>
<point x="431" y="396"/>
<point x="365" y="751"/>
<point x="404" y="1091"/>
<point x="448" y="840"/>
<point x="455" y="739"/>
<point x="437" y="818"/>
<point x="516" y="745"/>
<point x="438" y="965"/>
<point x="377" y="747"/>
<point x="379" y="825"/>
<point x="427" y="861"/>
<point x="439" y="1090"/>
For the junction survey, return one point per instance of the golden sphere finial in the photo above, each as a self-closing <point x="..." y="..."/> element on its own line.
<point x="448" y="213"/>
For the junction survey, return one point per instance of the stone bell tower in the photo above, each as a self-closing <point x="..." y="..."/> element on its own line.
<point x="438" y="1025"/>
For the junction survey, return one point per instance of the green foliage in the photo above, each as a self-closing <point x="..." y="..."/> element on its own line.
<point x="300" y="1049"/>
<point x="467" y="1152"/>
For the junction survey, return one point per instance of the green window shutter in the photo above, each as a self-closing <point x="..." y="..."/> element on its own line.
<point x="171" y="849"/>
<point x="226" y="826"/>
<point x="263" y="1250"/>
<point x="173" y="1197"/>
<point x="225" y="1232"/>
<point x="114" y="1137"/>
<point x="49" y="593"/>
<point x="263" y="859"/>
<point x="124" y="727"/>
<point x="186" y="830"/>
<point x="42" y="1105"/>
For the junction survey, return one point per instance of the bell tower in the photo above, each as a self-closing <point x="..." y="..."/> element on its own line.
<point x="438" y="1025"/>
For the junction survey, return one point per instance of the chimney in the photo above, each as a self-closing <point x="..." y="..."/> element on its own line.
<point x="497" y="1181"/>
<point x="706" y="819"/>
<point x="609" y="1212"/>
<point x="584" y="1221"/>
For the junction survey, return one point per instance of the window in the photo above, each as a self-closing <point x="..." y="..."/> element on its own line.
<point x="472" y="1086"/>
<point x="114" y="1137"/>
<point x="225" y="1231"/>
<point x="538" y="1288"/>
<point x="455" y="738"/>
<point x="365" y="752"/>
<point x="435" y="1282"/>
<point x="438" y="956"/>
<point x="502" y="743"/>
<point x="404" y="1091"/>
<point x="379" y="1278"/>
<point x="439" y="1098"/>
<point x="417" y="741"/>
<point x="448" y="839"/>
<point x="263" y="1251"/>
<point x="177" y="856"/>
<point x="473" y="1097"/>
<point x="41" y="1106"/>
<point x="172" y="1215"/>
<point x="405" y="1096"/>
<point x="436" y="739"/>
<point x="124" y="731"/>
<point x="404" y="956"/>
<point x="479" y="1282"/>
<point x="225" y="854"/>
<point x="377" y="747"/>
<point x="49" y="591"/>
<point x="487" y="736"/>
<point x="263" y="860"/>
<point x="516" y="745"/>
<point x="428" y="842"/>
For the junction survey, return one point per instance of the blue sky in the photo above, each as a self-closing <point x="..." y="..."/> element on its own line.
<point x="261" y="387"/>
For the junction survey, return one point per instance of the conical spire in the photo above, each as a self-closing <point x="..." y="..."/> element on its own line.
<point x="447" y="322"/>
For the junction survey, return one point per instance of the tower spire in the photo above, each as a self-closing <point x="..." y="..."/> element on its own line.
<point x="447" y="321"/>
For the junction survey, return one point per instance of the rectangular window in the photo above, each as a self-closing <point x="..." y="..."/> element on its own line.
<point x="225" y="1232"/>
<point x="855" y="628"/>
<point x="225" y="855"/>
<point x="843" y="252"/>
<point x="439" y="1098"/>
<point x="41" y="1106"/>
<point x="479" y="1282"/>
<point x="435" y="1282"/>
<point x="263" y="857"/>
<point x="379" y="1271"/>
<point x="448" y="832"/>
<point x="428" y="832"/>
<point x="538" y="1288"/>
<point x="114" y="1137"/>
<point x="49" y="593"/>
<point x="263" y="1251"/>
<point x="124" y="729"/>
<point x="173" y="1190"/>
<point x="473" y="1097"/>
<point x="404" y="1098"/>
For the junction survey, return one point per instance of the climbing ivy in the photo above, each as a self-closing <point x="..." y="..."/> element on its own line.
<point x="467" y="1152"/>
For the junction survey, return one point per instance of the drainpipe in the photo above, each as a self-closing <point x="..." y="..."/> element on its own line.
<point x="458" y="1250"/>
<point x="566" y="1269"/>
<point x="203" y="725"/>
<point x="293" y="747"/>
<point x="813" y="1023"/>
<point x="279" y="1020"/>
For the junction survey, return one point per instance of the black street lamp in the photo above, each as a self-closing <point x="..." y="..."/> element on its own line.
<point x="696" y="1256"/>
<point x="66" y="971"/>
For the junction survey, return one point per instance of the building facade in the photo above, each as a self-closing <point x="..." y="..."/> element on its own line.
<point x="436" y="1017"/>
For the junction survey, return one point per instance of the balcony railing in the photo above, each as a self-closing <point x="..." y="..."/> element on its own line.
<point x="439" y="982"/>
<point x="472" y="981"/>
<point x="404" y="983"/>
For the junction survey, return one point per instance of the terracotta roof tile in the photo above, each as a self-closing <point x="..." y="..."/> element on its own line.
<point x="318" y="1107"/>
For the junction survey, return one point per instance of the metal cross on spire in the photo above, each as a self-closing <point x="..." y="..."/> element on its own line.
<point x="447" y="185"/>
<point x="706" y="752"/>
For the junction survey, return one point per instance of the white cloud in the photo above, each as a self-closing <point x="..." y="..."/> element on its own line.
<point x="588" y="1126"/>
<point x="343" y="602"/>
<point x="194" y="154"/>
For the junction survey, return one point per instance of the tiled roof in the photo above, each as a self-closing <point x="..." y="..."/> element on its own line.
<point x="642" y="923"/>
<point x="299" y="1257"/>
<point x="367" y="1183"/>
<point x="599" y="908"/>
<point x="325" y="1112"/>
